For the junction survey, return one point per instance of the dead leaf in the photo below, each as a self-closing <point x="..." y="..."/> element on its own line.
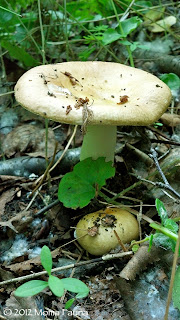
<point x="28" y="139"/>
<point x="21" y="267"/>
<point x="162" y="25"/>
<point x="27" y="218"/>
<point x="6" y="197"/>
<point x="8" y="181"/>
<point x="171" y="120"/>
<point x="22" y="308"/>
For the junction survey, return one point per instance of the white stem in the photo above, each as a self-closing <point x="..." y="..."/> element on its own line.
<point x="99" y="141"/>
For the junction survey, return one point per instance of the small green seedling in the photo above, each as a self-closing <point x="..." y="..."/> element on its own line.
<point x="157" y="125"/>
<point x="56" y="285"/>
<point x="166" y="236"/>
<point x="78" y="187"/>
<point x="166" y="233"/>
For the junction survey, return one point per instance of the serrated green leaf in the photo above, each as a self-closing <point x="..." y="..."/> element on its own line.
<point x="69" y="303"/>
<point x="171" y="225"/>
<point x="172" y="80"/>
<point x="76" y="285"/>
<point x="31" y="288"/>
<point x="176" y="289"/>
<point x="78" y="187"/>
<point x="161" y="210"/>
<point x="46" y="259"/>
<point x="19" y="54"/>
<point x="56" y="286"/>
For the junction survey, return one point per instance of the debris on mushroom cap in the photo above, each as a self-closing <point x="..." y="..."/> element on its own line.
<point x="112" y="93"/>
<point x="95" y="231"/>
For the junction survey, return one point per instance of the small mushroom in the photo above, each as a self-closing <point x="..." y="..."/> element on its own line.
<point x="49" y="89"/>
<point x="95" y="231"/>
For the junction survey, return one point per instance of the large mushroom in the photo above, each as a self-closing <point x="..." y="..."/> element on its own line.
<point x="96" y="95"/>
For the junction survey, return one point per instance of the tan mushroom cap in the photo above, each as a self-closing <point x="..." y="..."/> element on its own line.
<point x="102" y="240"/>
<point x="114" y="94"/>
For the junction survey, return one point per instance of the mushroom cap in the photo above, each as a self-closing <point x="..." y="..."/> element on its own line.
<point x="106" y="93"/>
<point x="102" y="240"/>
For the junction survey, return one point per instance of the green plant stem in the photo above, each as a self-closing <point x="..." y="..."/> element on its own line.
<point x="176" y="255"/>
<point x="3" y="8"/>
<point x="164" y="230"/>
<point x="138" y="242"/>
<point x="66" y="35"/>
<point x="122" y="32"/>
<point x="88" y="32"/>
<point x="42" y="33"/>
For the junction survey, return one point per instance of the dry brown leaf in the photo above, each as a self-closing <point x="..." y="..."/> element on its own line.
<point x="27" y="218"/>
<point x="163" y="24"/>
<point x="21" y="267"/>
<point x="6" y="197"/>
<point x="8" y="181"/>
<point x="28" y="139"/>
<point x="171" y="120"/>
<point x="22" y="308"/>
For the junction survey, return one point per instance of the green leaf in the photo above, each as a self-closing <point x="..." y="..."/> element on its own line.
<point x="46" y="259"/>
<point x="56" y="286"/>
<point x="130" y="25"/>
<point x="164" y="230"/>
<point x="69" y="303"/>
<point x="171" y="225"/>
<point x="176" y="289"/>
<point x="110" y="35"/>
<point x="172" y="80"/>
<point x="82" y="295"/>
<point x="150" y="242"/>
<point x="161" y="210"/>
<point x="143" y="5"/>
<point x="78" y="187"/>
<point x="77" y="286"/>
<point x="162" y="240"/>
<point x="19" y="54"/>
<point x="31" y="288"/>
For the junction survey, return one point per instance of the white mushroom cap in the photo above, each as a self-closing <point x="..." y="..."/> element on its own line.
<point x="114" y="94"/>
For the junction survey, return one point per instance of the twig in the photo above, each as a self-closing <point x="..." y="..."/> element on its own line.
<point x="120" y="242"/>
<point x="70" y="266"/>
<point x="162" y="186"/>
<point x="174" y="143"/>
<point x="40" y="181"/>
<point x="166" y="184"/>
<point x="62" y="155"/>
<point x="176" y="254"/>
<point x="46" y="208"/>
<point x="65" y="150"/>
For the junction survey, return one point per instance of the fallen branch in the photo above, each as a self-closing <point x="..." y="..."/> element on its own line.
<point x="70" y="266"/>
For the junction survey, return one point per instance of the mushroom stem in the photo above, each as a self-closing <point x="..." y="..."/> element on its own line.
<point x="99" y="141"/>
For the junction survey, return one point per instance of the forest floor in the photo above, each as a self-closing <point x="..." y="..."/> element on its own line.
<point x="118" y="289"/>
